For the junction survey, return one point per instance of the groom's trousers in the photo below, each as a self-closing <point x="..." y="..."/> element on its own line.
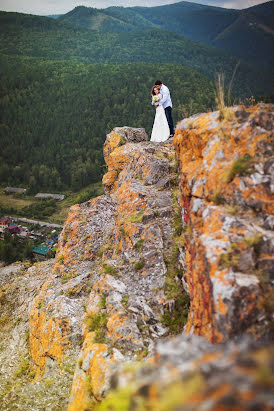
<point x="168" y="111"/>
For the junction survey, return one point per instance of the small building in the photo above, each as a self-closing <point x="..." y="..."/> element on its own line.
<point x="13" y="229"/>
<point x="15" y="190"/>
<point x="45" y="196"/>
<point x="40" y="253"/>
<point x="5" y="222"/>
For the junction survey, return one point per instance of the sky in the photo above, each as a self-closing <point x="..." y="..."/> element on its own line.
<point x="47" y="7"/>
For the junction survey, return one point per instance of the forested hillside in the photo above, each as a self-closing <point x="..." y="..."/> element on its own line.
<point x="63" y="87"/>
<point x="35" y="36"/>
<point x="246" y="33"/>
<point x="54" y="115"/>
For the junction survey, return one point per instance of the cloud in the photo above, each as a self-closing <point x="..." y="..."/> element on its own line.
<point x="231" y="4"/>
<point x="45" y="7"/>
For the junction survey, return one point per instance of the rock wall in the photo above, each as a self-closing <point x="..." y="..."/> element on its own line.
<point x="181" y="242"/>
<point x="226" y="187"/>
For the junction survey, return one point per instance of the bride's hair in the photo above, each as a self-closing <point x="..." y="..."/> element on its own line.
<point x="152" y="91"/>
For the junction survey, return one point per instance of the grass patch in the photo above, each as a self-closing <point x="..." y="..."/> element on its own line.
<point x="232" y="209"/>
<point x="139" y="245"/>
<point x="136" y="217"/>
<point x="240" y="167"/>
<point x="98" y="324"/>
<point x="24" y="368"/>
<point x="122" y="141"/>
<point x="109" y="269"/>
<point x="40" y="304"/>
<point x="124" y="301"/>
<point x="217" y="198"/>
<point x="225" y="113"/>
<point x="70" y="293"/>
<point x="68" y="276"/>
<point x="102" y="303"/>
<point x="142" y="354"/>
<point x="139" y="265"/>
<point x="102" y="250"/>
<point x="231" y="258"/>
<point x="253" y="240"/>
<point x="61" y="259"/>
<point x="123" y="232"/>
<point x="177" y="318"/>
<point x="4" y="319"/>
<point x="177" y="218"/>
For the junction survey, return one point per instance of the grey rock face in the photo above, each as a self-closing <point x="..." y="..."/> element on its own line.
<point x="132" y="135"/>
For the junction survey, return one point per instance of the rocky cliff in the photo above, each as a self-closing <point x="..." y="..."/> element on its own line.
<point x="180" y="244"/>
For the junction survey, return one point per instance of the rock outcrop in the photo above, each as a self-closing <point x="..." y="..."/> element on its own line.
<point x="226" y="186"/>
<point x="180" y="244"/>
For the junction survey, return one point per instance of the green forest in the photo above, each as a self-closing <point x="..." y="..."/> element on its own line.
<point x="63" y="88"/>
<point x="55" y="115"/>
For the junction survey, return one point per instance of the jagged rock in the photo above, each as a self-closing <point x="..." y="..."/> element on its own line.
<point x="18" y="390"/>
<point x="116" y="287"/>
<point x="226" y="198"/>
<point x="189" y="373"/>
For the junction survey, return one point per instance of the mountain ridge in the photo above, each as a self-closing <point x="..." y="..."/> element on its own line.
<point x="201" y="23"/>
<point x="52" y="39"/>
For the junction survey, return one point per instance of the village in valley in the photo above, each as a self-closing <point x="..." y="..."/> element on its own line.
<point x="43" y="236"/>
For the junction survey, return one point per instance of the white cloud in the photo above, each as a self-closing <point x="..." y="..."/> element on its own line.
<point x="44" y="7"/>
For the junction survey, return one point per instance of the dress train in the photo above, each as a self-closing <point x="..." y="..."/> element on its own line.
<point x="160" y="130"/>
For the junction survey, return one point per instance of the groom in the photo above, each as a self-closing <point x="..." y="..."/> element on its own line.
<point x="167" y="104"/>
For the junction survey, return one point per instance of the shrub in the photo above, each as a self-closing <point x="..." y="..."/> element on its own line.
<point x="217" y="198"/>
<point x="139" y="265"/>
<point x="139" y="245"/>
<point x="177" y="318"/>
<point x="95" y="321"/>
<point x="240" y="167"/>
<point x="137" y="217"/>
<point x="109" y="269"/>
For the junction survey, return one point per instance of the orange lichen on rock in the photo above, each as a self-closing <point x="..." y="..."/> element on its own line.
<point x="48" y="338"/>
<point x="225" y="165"/>
<point x="125" y="257"/>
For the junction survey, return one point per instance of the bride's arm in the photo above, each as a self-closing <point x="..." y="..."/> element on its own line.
<point x="156" y="102"/>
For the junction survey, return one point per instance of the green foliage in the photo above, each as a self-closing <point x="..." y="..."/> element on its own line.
<point x="109" y="269"/>
<point x="98" y="324"/>
<point x="139" y="265"/>
<point x="137" y="217"/>
<point x="176" y="318"/>
<point x="14" y="249"/>
<point x="217" y="198"/>
<point x="95" y="321"/>
<point x="61" y="109"/>
<point x="253" y="240"/>
<point x="125" y="301"/>
<point x="24" y="368"/>
<point x="139" y="245"/>
<point x="240" y="167"/>
<point x="40" y="209"/>
<point x="231" y="258"/>
<point x="177" y="217"/>
<point x="61" y="259"/>
<point x="102" y="303"/>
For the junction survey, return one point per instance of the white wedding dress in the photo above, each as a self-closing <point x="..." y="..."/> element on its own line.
<point x="160" y="130"/>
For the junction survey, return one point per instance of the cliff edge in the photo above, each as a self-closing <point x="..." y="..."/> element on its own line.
<point x="181" y="244"/>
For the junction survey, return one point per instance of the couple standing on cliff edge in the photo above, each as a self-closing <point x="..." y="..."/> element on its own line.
<point x="163" y="127"/>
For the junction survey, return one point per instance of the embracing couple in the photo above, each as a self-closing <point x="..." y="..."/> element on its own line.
<point x="163" y="128"/>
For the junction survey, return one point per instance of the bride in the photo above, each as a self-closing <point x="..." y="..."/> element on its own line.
<point x="160" y="130"/>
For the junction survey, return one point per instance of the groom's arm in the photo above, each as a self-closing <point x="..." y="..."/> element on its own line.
<point x="164" y="92"/>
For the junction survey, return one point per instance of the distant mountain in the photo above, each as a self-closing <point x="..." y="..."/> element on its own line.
<point x="264" y="10"/>
<point x="34" y="36"/>
<point x="54" y="16"/>
<point x="246" y="34"/>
